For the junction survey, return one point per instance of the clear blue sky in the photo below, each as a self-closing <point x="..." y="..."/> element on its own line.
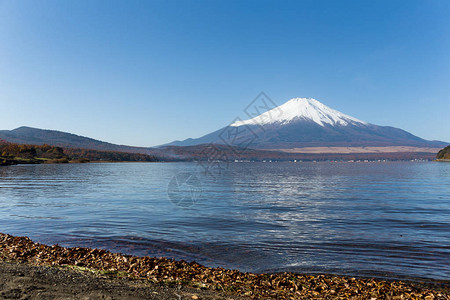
<point x="149" y="72"/>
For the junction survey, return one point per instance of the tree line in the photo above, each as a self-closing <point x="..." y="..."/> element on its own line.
<point x="444" y="153"/>
<point x="12" y="153"/>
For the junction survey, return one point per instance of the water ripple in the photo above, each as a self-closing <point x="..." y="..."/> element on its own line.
<point x="386" y="219"/>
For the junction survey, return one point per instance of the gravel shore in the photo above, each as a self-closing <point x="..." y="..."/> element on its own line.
<point x="35" y="271"/>
<point x="25" y="281"/>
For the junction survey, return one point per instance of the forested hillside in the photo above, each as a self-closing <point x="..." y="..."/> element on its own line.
<point x="12" y="153"/>
<point x="444" y="153"/>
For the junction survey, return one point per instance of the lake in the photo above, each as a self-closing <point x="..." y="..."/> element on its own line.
<point x="389" y="220"/>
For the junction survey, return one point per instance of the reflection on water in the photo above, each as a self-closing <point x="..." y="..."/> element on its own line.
<point x="381" y="219"/>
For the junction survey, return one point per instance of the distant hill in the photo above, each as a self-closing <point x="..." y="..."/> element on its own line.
<point x="444" y="153"/>
<point x="35" y="136"/>
<point x="29" y="135"/>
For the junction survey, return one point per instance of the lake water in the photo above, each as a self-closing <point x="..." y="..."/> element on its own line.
<point x="361" y="219"/>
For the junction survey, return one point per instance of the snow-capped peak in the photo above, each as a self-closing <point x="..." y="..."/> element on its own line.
<point x="298" y="109"/>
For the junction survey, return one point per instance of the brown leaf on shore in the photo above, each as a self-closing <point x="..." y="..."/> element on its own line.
<point x="256" y="286"/>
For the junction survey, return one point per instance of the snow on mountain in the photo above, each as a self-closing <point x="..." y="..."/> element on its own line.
<point x="305" y="122"/>
<point x="296" y="109"/>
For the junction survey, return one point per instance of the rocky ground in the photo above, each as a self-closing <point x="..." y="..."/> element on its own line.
<point x="25" y="281"/>
<point x="34" y="271"/>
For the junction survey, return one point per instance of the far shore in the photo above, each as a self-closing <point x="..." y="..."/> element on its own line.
<point x="133" y="277"/>
<point x="13" y="163"/>
<point x="233" y="161"/>
<point x="359" y="150"/>
<point x="442" y="160"/>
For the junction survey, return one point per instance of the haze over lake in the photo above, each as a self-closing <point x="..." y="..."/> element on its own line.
<point x="376" y="219"/>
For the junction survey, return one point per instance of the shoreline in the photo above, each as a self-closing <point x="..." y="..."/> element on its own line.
<point x="243" y="161"/>
<point x="71" y="162"/>
<point x="218" y="281"/>
<point x="442" y="160"/>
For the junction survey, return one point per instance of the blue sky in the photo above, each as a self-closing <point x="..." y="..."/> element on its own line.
<point x="149" y="72"/>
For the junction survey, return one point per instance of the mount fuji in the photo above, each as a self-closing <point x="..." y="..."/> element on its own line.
<point x="306" y="122"/>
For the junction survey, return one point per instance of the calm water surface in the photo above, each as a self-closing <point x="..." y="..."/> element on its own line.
<point x="369" y="219"/>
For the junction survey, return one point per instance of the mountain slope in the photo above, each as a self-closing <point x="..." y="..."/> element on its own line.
<point x="305" y="122"/>
<point x="29" y="135"/>
<point x="35" y="136"/>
